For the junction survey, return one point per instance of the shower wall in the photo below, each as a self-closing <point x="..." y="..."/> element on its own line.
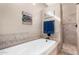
<point x="69" y="22"/>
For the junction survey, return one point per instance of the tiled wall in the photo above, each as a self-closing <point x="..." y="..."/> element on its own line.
<point x="8" y="40"/>
<point x="69" y="22"/>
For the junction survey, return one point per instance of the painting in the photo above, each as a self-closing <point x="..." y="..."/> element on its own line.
<point x="26" y="18"/>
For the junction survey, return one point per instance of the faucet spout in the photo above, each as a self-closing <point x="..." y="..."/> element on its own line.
<point x="46" y="40"/>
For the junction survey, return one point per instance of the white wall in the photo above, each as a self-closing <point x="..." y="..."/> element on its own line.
<point x="11" y="18"/>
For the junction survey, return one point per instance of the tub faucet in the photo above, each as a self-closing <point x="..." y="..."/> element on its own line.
<point x="47" y="38"/>
<point x="48" y="34"/>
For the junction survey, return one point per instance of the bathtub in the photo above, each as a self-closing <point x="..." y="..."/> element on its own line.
<point x="35" y="47"/>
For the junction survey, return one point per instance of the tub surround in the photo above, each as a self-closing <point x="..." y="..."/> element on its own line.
<point x="9" y="40"/>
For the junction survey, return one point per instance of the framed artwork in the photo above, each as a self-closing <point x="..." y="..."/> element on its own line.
<point x="26" y="18"/>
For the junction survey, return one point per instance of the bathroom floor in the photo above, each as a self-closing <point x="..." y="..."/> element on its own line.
<point x="63" y="53"/>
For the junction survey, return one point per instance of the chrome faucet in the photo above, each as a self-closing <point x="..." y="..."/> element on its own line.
<point x="47" y="38"/>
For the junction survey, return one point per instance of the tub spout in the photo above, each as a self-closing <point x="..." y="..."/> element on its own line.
<point x="47" y="39"/>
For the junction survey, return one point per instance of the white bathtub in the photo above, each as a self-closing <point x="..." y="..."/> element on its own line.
<point x="36" y="47"/>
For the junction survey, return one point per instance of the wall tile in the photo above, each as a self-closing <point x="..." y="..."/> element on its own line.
<point x="8" y="40"/>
